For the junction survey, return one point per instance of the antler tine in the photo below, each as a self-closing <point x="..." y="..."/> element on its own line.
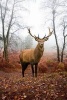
<point x="50" y="33"/>
<point x="30" y="33"/>
<point x="44" y="37"/>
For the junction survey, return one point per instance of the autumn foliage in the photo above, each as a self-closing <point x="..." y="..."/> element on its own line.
<point x="50" y="84"/>
<point x="44" y="66"/>
<point x="11" y="65"/>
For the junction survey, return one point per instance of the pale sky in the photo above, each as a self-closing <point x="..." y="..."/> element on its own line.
<point x="38" y="19"/>
<point x="35" y="18"/>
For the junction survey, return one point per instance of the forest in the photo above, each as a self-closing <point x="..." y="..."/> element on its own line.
<point x="33" y="50"/>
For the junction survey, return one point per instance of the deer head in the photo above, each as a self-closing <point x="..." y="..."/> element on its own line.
<point x="41" y="40"/>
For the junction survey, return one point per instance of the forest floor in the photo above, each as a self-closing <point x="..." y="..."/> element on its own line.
<point x="47" y="86"/>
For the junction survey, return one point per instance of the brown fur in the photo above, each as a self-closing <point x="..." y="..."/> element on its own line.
<point x="33" y="56"/>
<point x="27" y="55"/>
<point x="38" y="52"/>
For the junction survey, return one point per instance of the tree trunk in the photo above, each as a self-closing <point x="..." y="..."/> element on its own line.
<point x="58" y="54"/>
<point x="5" y="50"/>
<point x="58" y="51"/>
<point x="62" y="53"/>
<point x="62" y="56"/>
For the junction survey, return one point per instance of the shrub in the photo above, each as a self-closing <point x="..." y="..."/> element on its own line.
<point x="42" y="67"/>
<point x="65" y="64"/>
<point x="60" y="67"/>
<point x="51" y="63"/>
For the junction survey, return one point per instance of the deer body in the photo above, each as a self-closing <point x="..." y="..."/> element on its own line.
<point x="33" y="56"/>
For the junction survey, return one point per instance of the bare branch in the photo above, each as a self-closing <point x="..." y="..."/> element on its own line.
<point x="5" y="10"/>
<point x="65" y="35"/>
<point x="1" y="38"/>
<point x="9" y="26"/>
<point x="15" y="31"/>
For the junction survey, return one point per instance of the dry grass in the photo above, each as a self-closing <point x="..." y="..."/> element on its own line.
<point x="50" y="83"/>
<point x="47" y="64"/>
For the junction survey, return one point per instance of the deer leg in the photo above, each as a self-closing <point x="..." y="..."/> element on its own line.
<point x="36" y="70"/>
<point x="22" y="71"/>
<point x="32" y="67"/>
<point x="24" y="66"/>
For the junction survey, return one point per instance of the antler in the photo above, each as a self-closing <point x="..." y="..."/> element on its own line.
<point x="36" y="38"/>
<point x="50" y="33"/>
<point x="30" y="33"/>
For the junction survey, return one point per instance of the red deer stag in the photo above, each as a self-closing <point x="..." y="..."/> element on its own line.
<point x="33" y="56"/>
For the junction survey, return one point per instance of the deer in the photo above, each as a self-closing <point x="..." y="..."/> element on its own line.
<point x="33" y="56"/>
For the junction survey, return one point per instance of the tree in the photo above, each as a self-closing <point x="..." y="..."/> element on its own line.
<point x="64" y="39"/>
<point x="54" y="28"/>
<point x="4" y="11"/>
<point x="56" y="14"/>
<point x="9" y="22"/>
<point x="55" y="6"/>
<point x="15" y="43"/>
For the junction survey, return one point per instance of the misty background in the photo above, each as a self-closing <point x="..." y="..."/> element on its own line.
<point x="36" y="15"/>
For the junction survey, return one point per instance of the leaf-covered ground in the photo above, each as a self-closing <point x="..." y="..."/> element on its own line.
<point x="45" y="87"/>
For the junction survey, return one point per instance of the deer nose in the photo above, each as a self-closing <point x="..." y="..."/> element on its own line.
<point x="41" y="45"/>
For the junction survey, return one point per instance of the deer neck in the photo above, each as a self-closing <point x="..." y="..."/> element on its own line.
<point x="38" y="52"/>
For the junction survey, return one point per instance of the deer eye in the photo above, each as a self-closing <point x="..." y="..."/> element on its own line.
<point x="41" y="44"/>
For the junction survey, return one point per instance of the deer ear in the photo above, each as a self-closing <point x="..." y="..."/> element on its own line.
<point x="36" y="38"/>
<point x="46" y="39"/>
